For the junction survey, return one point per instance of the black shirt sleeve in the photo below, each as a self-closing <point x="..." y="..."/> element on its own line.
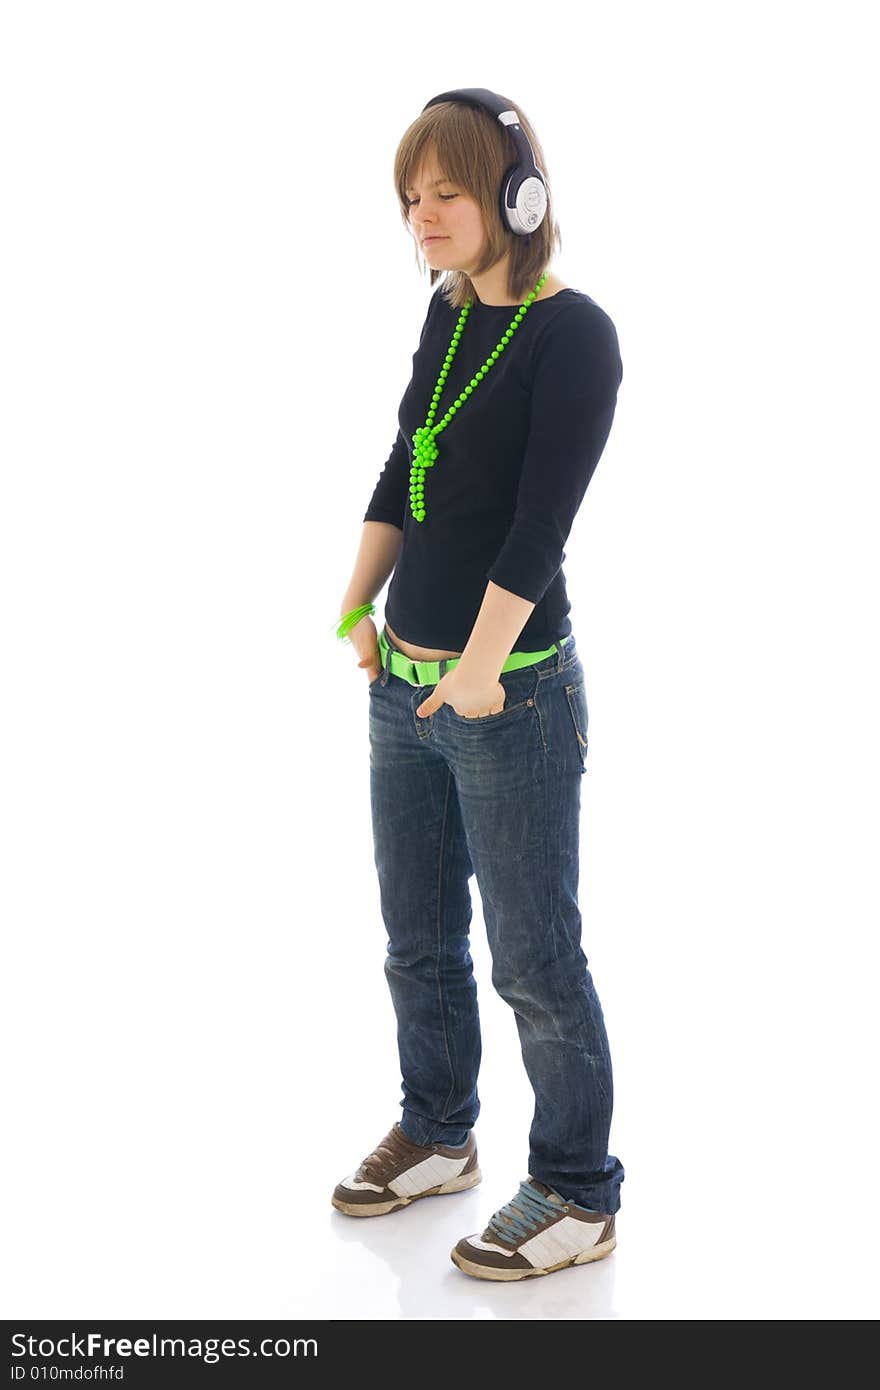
<point x="392" y="489"/>
<point x="576" y="377"/>
<point x="391" y="493"/>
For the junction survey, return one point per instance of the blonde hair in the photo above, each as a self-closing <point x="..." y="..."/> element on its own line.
<point x="473" y="150"/>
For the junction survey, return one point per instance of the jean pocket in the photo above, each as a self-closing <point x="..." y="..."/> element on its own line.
<point x="577" y="704"/>
<point x="497" y="717"/>
<point x="519" y="694"/>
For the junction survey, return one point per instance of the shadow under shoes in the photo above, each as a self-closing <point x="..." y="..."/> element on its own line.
<point x="398" y="1172"/>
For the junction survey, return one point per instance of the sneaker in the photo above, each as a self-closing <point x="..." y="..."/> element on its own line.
<point x="537" y="1232"/>
<point x="398" y="1172"/>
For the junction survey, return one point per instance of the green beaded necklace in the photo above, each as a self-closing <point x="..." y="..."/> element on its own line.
<point x="425" y="448"/>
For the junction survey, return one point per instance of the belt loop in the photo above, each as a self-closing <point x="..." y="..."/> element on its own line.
<point x="386" y="667"/>
<point x="444" y="661"/>
<point x="561" y="658"/>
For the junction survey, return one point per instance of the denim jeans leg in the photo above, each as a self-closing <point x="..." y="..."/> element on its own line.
<point x="423" y="868"/>
<point x="519" y="775"/>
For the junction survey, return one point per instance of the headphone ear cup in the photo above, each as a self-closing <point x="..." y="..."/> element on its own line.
<point x="529" y="199"/>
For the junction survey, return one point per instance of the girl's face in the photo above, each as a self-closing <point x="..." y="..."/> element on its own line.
<point x="444" y="210"/>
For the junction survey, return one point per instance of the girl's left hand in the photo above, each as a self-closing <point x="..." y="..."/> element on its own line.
<point x="468" y="700"/>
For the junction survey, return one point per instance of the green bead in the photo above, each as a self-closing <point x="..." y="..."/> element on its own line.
<point x="426" y="450"/>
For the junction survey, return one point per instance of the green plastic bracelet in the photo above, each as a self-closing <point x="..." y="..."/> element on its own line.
<point x="348" y="621"/>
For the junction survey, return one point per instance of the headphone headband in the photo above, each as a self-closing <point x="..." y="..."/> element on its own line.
<point x="523" y="192"/>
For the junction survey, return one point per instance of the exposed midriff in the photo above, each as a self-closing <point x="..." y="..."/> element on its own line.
<point x="418" y="653"/>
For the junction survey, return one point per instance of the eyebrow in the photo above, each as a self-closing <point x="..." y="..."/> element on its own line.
<point x="410" y="187"/>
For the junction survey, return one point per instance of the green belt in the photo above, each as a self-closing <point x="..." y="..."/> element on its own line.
<point x="429" y="672"/>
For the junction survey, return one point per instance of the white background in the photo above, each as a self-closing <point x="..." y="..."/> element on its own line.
<point x="209" y="308"/>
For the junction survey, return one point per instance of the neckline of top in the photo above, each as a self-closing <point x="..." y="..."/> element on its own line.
<point x="506" y="308"/>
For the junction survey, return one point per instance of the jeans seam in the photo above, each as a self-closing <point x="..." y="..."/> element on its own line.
<point x="567" y="666"/>
<point x="437" y="956"/>
<point x="549" y="879"/>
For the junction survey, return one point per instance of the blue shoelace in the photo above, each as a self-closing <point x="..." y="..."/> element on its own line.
<point x="531" y="1211"/>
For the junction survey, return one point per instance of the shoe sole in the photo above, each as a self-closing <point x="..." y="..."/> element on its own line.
<point x="459" y="1184"/>
<point x="489" y="1272"/>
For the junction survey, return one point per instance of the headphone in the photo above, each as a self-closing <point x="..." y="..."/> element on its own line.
<point x="523" y="192"/>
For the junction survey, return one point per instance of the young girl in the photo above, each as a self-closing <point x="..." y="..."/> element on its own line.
<point x="478" y="712"/>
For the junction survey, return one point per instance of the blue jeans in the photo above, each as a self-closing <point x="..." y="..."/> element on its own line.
<point x="497" y="796"/>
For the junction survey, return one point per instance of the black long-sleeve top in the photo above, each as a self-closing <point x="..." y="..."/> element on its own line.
<point x="513" y="465"/>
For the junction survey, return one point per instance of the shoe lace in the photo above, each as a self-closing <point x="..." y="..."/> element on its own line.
<point x="528" y="1211"/>
<point x="388" y="1150"/>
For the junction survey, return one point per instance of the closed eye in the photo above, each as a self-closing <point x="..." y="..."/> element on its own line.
<point x="445" y="196"/>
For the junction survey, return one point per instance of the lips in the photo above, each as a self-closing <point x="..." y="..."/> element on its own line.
<point x="426" y="239"/>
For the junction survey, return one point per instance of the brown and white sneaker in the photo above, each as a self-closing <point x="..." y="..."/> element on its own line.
<point x="537" y="1232"/>
<point x="398" y="1172"/>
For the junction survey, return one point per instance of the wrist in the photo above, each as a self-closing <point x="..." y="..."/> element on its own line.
<point x="476" y="670"/>
<point x="351" y="617"/>
<point x="351" y="602"/>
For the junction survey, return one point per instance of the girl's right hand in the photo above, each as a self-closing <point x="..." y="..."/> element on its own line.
<point x="365" y="640"/>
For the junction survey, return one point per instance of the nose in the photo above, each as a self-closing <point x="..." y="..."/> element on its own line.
<point x="425" y="220"/>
